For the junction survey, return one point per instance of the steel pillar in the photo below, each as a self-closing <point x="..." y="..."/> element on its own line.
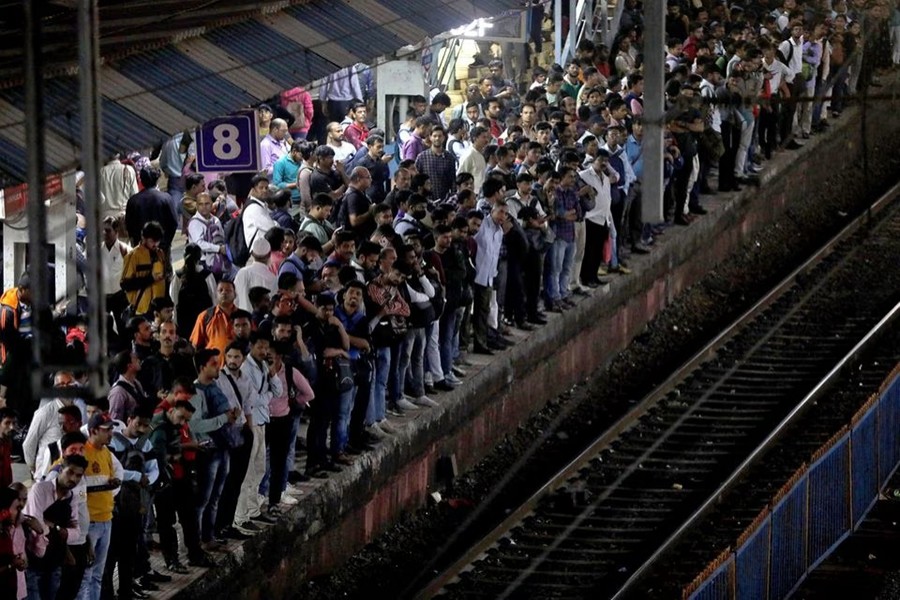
<point x="91" y="136"/>
<point x="654" y="111"/>
<point x="37" y="211"/>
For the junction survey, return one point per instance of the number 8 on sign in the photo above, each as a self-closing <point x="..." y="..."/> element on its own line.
<point x="228" y="144"/>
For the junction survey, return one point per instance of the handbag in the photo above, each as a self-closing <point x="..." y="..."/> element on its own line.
<point x="712" y="143"/>
<point x="340" y="372"/>
<point x="807" y="71"/>
<point x="131" y="310"/>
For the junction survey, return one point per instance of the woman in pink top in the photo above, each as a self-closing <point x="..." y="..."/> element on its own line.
<point x="298" y="102"/>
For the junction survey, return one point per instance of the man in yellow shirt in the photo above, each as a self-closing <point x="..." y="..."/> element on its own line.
<point x="144" y="270"/>
<point x="103" y="477"/>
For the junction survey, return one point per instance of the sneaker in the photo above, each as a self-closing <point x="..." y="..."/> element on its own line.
<point x="157" y="577"/>
<point x="286" y="500"/>
<point x="567" y="303"/>
<point x="176" y="566"/>
<point x="274" y="512"/>
<point x="387" y="427"/>
<point x="377" y="432"/>
<point x="425" y="401"/>
<point x="264" y="519"/>
<point x="293" y="490"/>
<point x="343" y="459"/>
<point x="203" y="561"/>
<point x="443" y="386"/>
<point x="405" y="404"/>
<point x="145" y="585"/>
<point x="453" y="380"/>
<point x="603" y="270"/>
<point x="248" y="526"/>
<point x="621" y="270"/>
<point x="458" y="371"/>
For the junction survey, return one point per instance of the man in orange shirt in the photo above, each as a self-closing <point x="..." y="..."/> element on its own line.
<point x="213" y="328"/>
<point x="15" y="342"/>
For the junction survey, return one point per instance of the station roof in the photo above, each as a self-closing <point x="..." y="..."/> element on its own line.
<point x="172" y="64"/>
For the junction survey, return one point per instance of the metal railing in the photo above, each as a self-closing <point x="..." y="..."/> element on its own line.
<point x="815" y="510"/>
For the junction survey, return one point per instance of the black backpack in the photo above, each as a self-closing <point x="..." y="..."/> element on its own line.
<point x="238" y="246"/>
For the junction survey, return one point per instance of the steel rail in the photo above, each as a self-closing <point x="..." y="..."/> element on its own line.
<point x="650" y="400"/>
<point x="763" y="447"/>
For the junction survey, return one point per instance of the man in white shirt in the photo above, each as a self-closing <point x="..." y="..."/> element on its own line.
<point x="112" y="262"/>
<point x="474" y="163"/>
<point x="335" y="140"/>
<point x="255" y="274"/>
<point x="489" y="239"/>
<point x="118" y="183"/>
<point x="45" y="427"/>
<point x="599" y="176"/>
<point x="205" y="230"/>
<point x="235" y="384"/>
<point x="265" y="386"/>
<point x="257" y="220"/>
<point x="791" y="51"/>
<point x="778" y="78"/>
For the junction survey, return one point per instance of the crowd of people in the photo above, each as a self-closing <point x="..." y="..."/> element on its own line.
<point x="337" y="289"/>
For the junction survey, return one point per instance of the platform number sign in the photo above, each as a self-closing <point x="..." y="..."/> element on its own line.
<point x="228" y="144"/>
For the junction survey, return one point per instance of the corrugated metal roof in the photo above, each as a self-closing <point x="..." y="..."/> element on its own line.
<point x="430" y="15"/>
<point x="211" y="57"/>
<point x="12" y="162"/>
<point x="196" y="91"/>
<point x="154" y="93"/>
<point x="343" y="24"/>
<point x="272" y="54"/>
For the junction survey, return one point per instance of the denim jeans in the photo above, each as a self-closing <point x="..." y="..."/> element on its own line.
<point x="212" y="470"/>
<point x="433" y="370"/>
<point x="412" y="359"/>
<point x="100" y="533"/>
<point x="562" y="256"/>
<point x="340" y="422"/>
<point x="42" y="583"/>
<point x="292" y="448"/>
<point x="614" y="250"/>
<point x="448" y="334"/>
<point x="377" y="402"/>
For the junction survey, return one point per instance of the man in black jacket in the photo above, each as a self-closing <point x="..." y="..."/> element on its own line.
<point x="148" y="205"/>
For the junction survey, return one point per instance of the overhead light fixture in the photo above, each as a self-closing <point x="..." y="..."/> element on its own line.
<point x="476" y="29"/>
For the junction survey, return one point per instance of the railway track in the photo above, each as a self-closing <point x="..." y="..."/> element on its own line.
<point x="637" y="488"/>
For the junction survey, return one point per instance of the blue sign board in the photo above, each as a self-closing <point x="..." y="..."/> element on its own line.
<point x="228" y="144"/>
